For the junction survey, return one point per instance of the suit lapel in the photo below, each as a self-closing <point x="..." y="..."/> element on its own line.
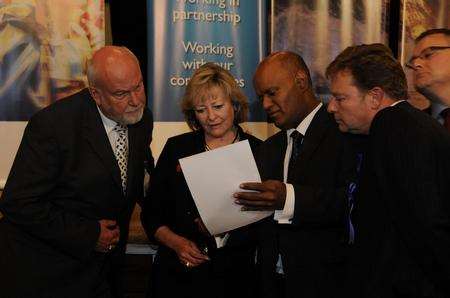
<point x="280" y="154"/>
<point x="273" y="157"/>
<point x="94" y="133"/>
<point x="314" y="135"/>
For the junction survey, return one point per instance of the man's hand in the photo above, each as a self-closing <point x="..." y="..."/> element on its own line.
<point x="109" y="235"/>
<point x="268" y="195"/>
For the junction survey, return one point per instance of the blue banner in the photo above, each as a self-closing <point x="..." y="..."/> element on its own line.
<point x="185" y="34"/>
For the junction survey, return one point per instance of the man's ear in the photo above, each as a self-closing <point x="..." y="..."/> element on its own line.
<point x="301" y="80"/>
<point x="376" y="97"/>
<point x="95" y="95"/>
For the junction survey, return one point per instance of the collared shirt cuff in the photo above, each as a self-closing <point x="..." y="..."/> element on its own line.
<point x="285" y="216"/>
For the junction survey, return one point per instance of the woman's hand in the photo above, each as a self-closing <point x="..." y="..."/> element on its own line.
<point x="187" y="251"/>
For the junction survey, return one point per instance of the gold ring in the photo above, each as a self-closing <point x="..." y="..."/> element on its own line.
<point x="188" y="264"/>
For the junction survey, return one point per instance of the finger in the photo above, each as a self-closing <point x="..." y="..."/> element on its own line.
<point x="257" y="208"/>
<point x="258" y="186"/>
<point x="195" y="261"/>
<point x="266" y="198"/>
<point x="257" y="204"/>
<point x="189" y="263"/>
<point x="189" y="256"/>
<point x="249" y="196"/>
<point x="195" y="264"/>
<point x="197" y="254"/>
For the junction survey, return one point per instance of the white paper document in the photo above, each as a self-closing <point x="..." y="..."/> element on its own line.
<point x="213" y="176"/>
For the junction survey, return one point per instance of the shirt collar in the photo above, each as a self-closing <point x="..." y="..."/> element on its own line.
<point x="397" y="102"/>
<point x="107" y="123"/>
<point x="303" y="126"/>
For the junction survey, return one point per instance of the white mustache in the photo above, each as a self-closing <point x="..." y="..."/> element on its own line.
<point x="135" y="110"/>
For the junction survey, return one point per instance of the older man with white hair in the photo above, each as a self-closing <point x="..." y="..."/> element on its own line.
<point x="73" y="185"/>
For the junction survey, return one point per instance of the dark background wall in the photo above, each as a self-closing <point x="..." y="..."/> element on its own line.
<point x="129" y="28"/>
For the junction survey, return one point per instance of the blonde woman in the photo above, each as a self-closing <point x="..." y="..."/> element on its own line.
<point x="190" y="262"/>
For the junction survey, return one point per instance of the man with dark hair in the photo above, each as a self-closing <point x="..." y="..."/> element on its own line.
<point x="430" y="64"/>
<point x="401" y="213"/>
<point x="304" y="169"/>
<point x="74" y="184"/>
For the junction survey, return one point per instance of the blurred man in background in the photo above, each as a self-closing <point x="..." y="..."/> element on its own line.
<point x="431" y="69"/>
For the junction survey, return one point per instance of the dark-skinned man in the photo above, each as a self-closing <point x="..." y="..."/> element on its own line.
<point x="305" y="170"/>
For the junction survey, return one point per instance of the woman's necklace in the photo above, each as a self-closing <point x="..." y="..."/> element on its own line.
<point x="236" y="139"/>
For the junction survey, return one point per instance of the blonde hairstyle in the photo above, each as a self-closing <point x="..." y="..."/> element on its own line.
<point x="203" y="80"/>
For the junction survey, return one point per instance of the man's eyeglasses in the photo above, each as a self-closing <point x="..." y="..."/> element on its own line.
<point x="426" y="54"/>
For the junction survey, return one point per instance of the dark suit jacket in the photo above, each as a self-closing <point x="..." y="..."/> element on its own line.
<point x="64" y="179"/>
<point x="170" y="203"/>
<point x="313" y="246"/>
<point x="402" y="211"/>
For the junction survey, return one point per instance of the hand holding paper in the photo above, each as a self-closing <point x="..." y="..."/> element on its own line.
<point x="213" y="177"/>
<point x="267" y="195"/>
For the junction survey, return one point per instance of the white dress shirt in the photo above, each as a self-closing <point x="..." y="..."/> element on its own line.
<point x="109" y="128"/>
<point x="285" y="216"/>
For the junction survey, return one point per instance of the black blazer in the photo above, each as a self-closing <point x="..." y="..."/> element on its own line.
<point x="313" y="246"/>
<point x="64" y="179"/>
<point x="170" y="203"/>
<point x="402" y="211"/>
